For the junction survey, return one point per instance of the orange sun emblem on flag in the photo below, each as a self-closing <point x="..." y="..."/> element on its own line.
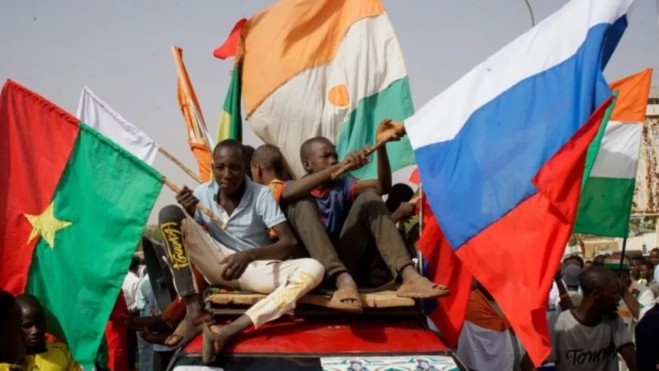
<point x="338" y="96"/>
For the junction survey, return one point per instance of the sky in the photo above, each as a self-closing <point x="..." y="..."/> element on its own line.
<point x="121" y="50"/>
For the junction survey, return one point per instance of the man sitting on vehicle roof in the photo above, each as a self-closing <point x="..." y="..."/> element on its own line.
<point x="240" y="255"/>
<point x="345" y="224"/>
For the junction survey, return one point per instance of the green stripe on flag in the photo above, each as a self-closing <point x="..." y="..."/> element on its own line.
<point x="605" y="207"/>
<point x="231" y="126"/>
<point x="105" y="195"/>
<point x="594" y="147"/>
<point x="605" y="203"/>
<point x="395" y="102"/>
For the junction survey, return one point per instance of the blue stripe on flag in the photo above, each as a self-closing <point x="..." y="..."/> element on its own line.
<point x="487" y="169"/>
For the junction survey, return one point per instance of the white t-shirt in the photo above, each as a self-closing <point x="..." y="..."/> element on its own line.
<point x="576" y="347"/>
<point x="645" y="299"/>
<point x="129" y="287"/>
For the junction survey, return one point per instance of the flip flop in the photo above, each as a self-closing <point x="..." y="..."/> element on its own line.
<point x="340" y="297"/>
<point x="421" y="288"/>
<point x="185" y="331"/>
<point x="210" y="338"/>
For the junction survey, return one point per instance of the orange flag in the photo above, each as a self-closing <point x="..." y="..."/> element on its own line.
<point x="199" y="140"/>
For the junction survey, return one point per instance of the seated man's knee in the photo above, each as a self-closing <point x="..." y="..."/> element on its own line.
<point x="313" y="268"/>
<point x="370" y="196"/>
<point x="303" y="204"/>
<point x="171" y="213"/>
<point x="301" y="210"/>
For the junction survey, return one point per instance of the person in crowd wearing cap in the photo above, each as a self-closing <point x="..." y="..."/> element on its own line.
<point x="588" y="337"/>
<point x="573" y="260"/>
<point x="571" y="279"/>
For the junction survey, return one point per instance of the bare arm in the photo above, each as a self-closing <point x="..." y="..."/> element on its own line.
<point x="234" y="265"/>
<point x="631" y="303"/>
<point x="280" y="250"/>
<point x="298" y="189"/>
<point x="565" y="300"/>
<point x="628" y="353"/>
<point x="381" y="185"/>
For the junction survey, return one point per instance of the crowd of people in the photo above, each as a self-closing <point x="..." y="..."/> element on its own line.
<point x="284" y="238"/>
<point x="601" y="316"/>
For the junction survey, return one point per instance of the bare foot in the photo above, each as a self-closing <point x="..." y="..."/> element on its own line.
<point x="344" y="281"/>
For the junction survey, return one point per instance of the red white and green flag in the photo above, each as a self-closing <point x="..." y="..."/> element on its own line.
<point x="612" y="161"/>
<point x="74" y="207"/>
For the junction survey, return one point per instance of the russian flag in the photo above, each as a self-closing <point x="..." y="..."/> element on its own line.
<point x="442" y="266"/>
<point x="501" y="155"/>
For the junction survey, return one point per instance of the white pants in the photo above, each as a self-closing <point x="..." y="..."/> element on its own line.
<point x="284" y="281"/>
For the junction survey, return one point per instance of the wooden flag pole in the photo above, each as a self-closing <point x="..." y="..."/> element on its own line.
<point x="346" y="168"/>
<point x="415" y="198"/>
<point x="622" y="255"/>
<point x="179" y="164"/>
<point x="377" y="146"/>
<point x="200" y="207"/>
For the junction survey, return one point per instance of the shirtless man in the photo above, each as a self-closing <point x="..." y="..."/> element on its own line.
<point x="240" y="255"/>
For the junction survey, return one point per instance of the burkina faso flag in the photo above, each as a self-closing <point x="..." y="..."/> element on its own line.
<point x="74" y="205"/>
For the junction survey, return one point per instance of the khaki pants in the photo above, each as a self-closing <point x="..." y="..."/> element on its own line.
<point x="284" y="281"/>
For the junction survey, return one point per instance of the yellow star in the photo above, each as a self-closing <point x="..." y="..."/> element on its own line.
<point x="46" y="225"/>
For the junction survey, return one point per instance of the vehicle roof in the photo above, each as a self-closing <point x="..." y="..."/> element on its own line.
<point x="309" y="336"/>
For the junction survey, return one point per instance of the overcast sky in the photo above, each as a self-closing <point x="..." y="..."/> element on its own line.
<point x="121" y="50"/>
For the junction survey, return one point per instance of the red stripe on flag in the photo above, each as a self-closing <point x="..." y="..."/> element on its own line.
<point x="31" y="162"/>
<point x="230" y="46"/>
<point x="516" y="258"/>
<point x="447" y="269"/>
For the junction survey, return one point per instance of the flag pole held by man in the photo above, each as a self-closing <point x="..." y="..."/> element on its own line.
<point x="501" y="153"/>
<point x="61" y="177"/>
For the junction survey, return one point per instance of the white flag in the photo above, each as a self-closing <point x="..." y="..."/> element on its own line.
<point x="99" y="115"/>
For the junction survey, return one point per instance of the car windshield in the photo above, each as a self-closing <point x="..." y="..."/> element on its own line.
<point x="345" y="363"/>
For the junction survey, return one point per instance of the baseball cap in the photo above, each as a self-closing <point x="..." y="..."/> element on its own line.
<point x="571" y="275"/>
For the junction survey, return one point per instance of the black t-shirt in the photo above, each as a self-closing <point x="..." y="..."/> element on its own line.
<point x="647" y="341"/>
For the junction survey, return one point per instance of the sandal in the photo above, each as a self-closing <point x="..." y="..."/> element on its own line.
<point x="185" y="332"/>
<point x="341" y="301"/>
<point x="210" y="339"/>
<point x="422" y="288"/>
